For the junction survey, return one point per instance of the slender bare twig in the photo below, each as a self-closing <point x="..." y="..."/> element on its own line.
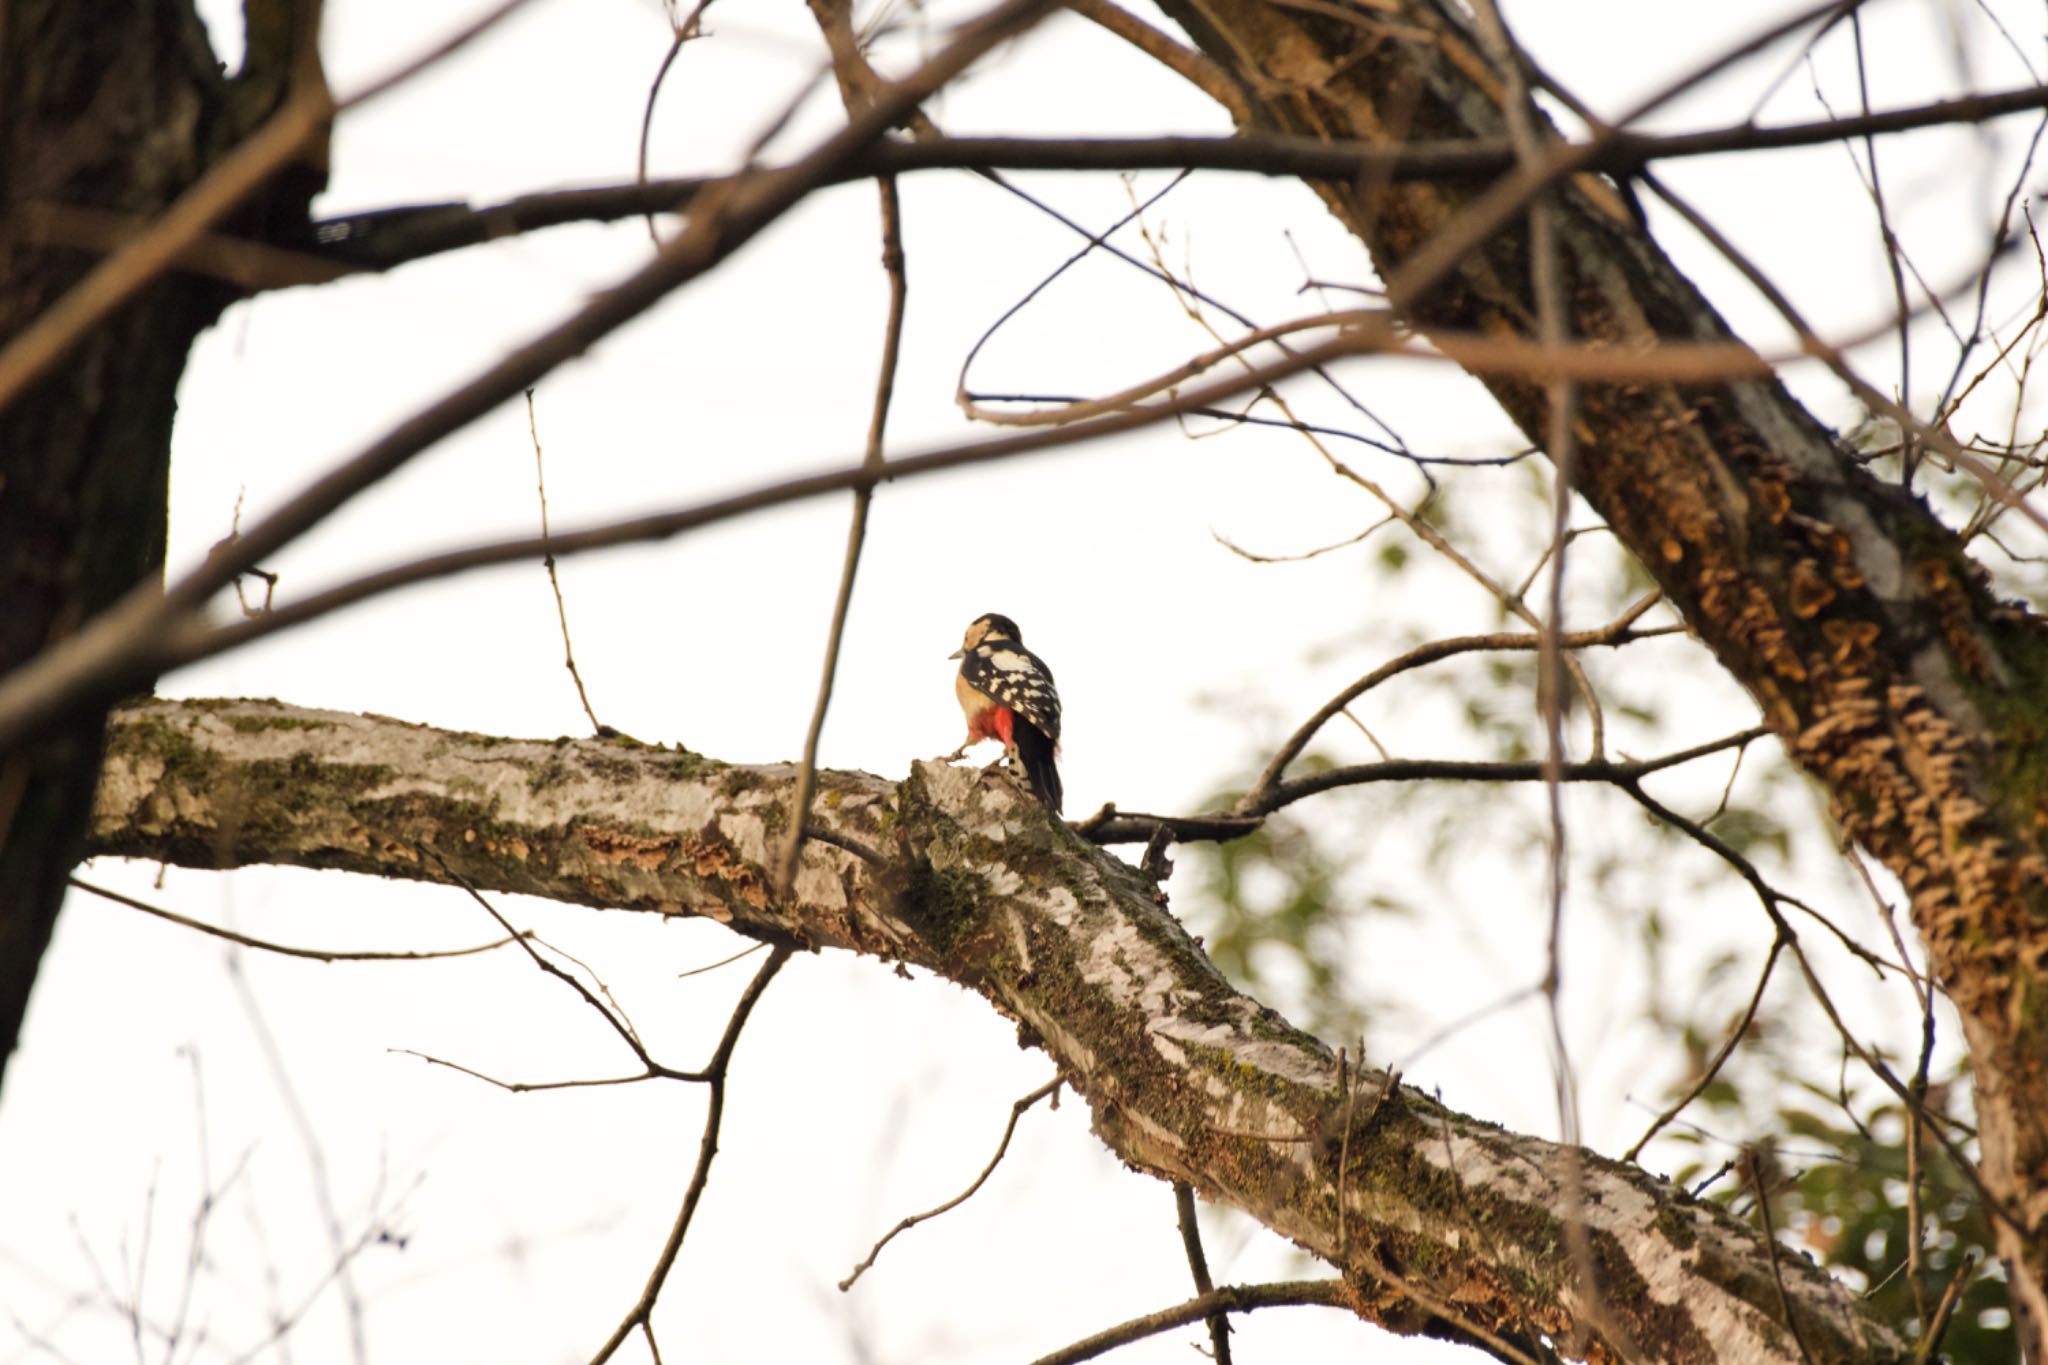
<point x="1877" y="401"/>
<point x="1305" y="555"/>
<point x="1009" y="1130"/>
<point x="286" y="950"/>
<point x="680" y="32"/>
<point x="535" y="1087"/>
<point x="1916" y="1087"/>
<point x="1721" y="1055"/>
<point x="1752" y="1166"/>
<point x="1125" y="399"/>
<point x="640" y="1315"/>
<point x="748" y="204"/>
<point x="1185" y="62"/>
<point x="1561" y="396"/>
<point x="385" y="238"/>
<point x="554" y="579"/>
<point x="1490" y="211"/>
<point x="1230" y="1299"/>
<point x="894" y="266"/>
<point x="1198" y="1265"/>
<point x="1620" y="631"/>
<point x="1874" y="183"/>
<point x="318" y="1175"/>
<point x="1944" y="1312"/>
<point x="722" y="962"/>
<point x="1852" y="1044"/>
<point x="1112" y="826"/>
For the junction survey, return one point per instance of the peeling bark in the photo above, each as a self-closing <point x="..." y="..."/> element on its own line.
<point x="1448" y="1226"/>
<point x="1854" y="617"/>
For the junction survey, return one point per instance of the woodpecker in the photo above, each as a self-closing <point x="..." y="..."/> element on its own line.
<point x="1007" y="693"/>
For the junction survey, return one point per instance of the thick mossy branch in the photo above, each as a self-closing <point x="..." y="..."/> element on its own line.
<point x="1447" y="1225"/>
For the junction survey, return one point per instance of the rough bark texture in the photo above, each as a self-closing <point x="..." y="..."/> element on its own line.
<point x="114" y="106"/>
<point x="1447" y="1226"/>
<point x="1847" y="609"/>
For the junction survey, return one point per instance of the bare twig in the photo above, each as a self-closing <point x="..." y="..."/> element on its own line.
<point x="894" y="266"/>
<point x="722" y="962"/>
<point x="1230" y="1299"/>
<point x="1198" y="1266"/>
<point x="714" y="1075"/>
<point x="286" y="950"/>
<point x="1190" y="65"/>
<point x="1944" y="1312"/>
<point x="1113" y="826"/>
<point x="680" y="32"/>
<point x="1620" y="631"/>
<point x="1561" y="405"/>
<point x="547" y="558"/>
<point x="342" y="1249"/>
<point x="1752" y="1166"/>
<point x="1721" y="1055"/>
<point x="139" y="623"/>
<point x="1009" y="1129"/>
<point x="386" y="238"/>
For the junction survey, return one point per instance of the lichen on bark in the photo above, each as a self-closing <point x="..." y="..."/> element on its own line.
<point x="1440" y="1222"/>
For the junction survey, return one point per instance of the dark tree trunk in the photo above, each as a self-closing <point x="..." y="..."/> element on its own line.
<point x="1853" y="616"/>
<point x="116" y="106"/>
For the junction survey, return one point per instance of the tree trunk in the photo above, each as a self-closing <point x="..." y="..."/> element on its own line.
<point x="1855" y="618"/>
<point x="1442" y="1224"/>
<point x="114" y="107"/>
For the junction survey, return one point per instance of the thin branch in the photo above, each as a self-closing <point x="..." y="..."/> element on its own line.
<point x="1618" y="632"/>
<point x="680" y="32"/>
<point x="554" y="579"/>
<point x="1944" y="1312"/>
<point x="1112" y="826"/>
<point x="1721" y="1055"/>
<point x="746" y="206"/>
<point x="286" y="950"/>
<point x="1561" y="399"/>
<point x="722" y="962"/>
<point x="1752" y="1166"/>
<point x="1009" y="1129"/>
<point x="894" y="266"/>
<point x="1198" y="1263"/>
<point x="613" y="1016"/>
<point x="532" y="1087"/>
<point x="1230" y="1299"/>
<point x="143" y="635"/>
<point x="641" y="1314"/>
<point x="385" y="238"/>
<point x="1185" y="62"/>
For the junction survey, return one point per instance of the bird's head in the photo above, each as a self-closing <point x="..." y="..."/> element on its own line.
<point x="990" y="626"/>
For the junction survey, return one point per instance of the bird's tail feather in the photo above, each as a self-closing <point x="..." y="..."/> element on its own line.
<point x="1035" y="752"/>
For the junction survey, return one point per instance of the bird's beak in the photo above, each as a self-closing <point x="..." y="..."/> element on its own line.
<point x="957" y="654"/>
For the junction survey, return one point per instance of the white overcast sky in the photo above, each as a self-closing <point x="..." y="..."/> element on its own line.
<point x="528" y="1223"/>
